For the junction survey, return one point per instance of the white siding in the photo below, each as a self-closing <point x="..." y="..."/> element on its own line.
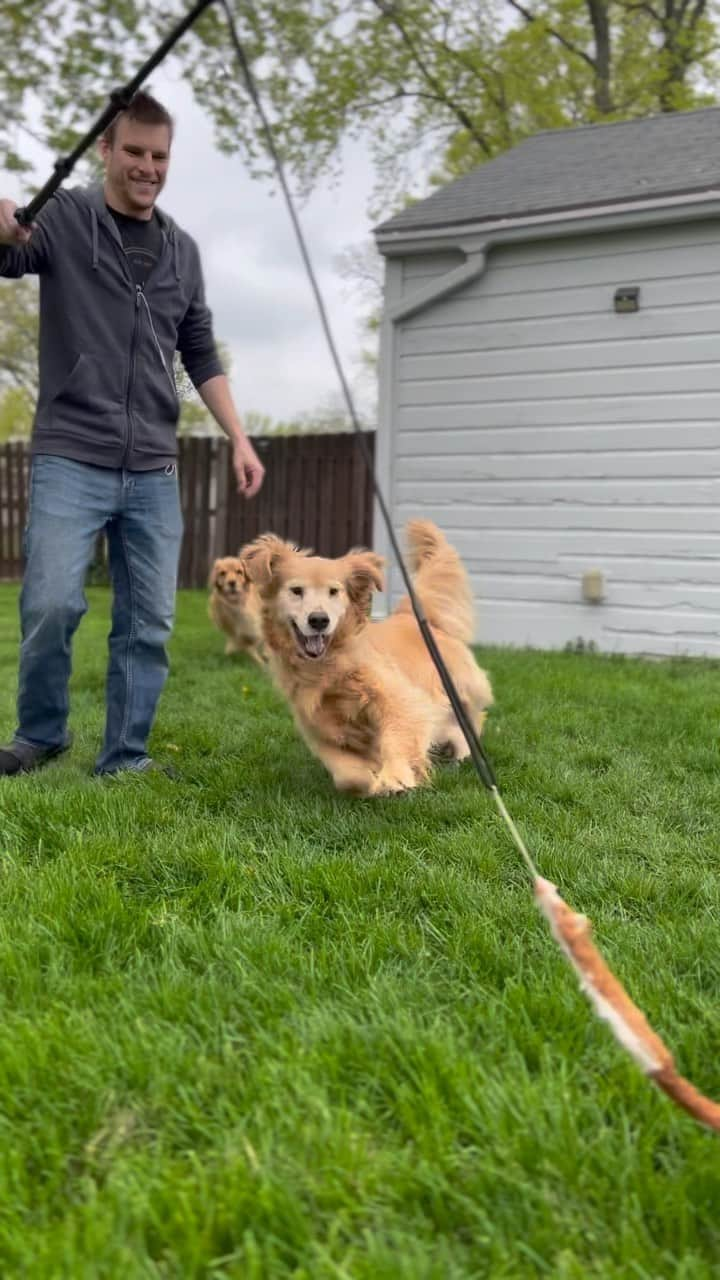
<point x="548" y="436"/>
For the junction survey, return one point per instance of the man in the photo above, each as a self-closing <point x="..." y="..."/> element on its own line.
<point x="121" y="289"/>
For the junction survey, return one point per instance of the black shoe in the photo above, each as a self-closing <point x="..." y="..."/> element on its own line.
<point x="148" y="765"/>
<point x="145" y="765"/>
<point x="23" y="757"/>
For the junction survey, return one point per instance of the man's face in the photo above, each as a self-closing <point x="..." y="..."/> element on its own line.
<point x="136" y="165"/>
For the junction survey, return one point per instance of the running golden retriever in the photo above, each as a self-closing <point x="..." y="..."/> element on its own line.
<point x="366" y="696"/>
<point x="234" y="607"/>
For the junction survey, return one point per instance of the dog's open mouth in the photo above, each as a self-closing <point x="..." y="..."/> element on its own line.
<point x="313" y="646"/>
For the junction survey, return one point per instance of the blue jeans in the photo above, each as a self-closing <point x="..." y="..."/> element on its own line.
<point x="70" y="504"/>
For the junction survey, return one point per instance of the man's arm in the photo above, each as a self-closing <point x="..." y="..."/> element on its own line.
<point x="22" y="249"/>
<point x="249" y="471"/>
<point x="196" y="345"/>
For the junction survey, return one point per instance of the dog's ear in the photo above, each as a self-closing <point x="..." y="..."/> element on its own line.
<point x="260" y="559"/>
<point x="214" y="573"/>
<point x="238" y="566"/>
<point x="363" y="576"/>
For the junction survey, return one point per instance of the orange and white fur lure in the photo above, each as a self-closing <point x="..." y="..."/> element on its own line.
<point x="612" y="1003"/>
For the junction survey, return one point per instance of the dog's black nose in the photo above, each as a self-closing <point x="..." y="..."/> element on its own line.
<point x="319" y="621"/>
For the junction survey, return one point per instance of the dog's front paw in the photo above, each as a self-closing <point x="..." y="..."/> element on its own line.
<point x="393" y="779"/>
<point x="422" y="768"/>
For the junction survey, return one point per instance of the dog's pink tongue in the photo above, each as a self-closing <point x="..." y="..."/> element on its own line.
<point x="315" y="645"/>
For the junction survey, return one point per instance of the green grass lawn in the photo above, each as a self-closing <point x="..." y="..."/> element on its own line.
<point x="250" y="1028"/>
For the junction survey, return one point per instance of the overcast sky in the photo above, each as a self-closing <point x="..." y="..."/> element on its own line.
<point x="255" y="280"/>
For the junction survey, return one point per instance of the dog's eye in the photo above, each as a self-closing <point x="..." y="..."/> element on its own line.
<point x="333" y="591"/>
<point x="296" y="591"/>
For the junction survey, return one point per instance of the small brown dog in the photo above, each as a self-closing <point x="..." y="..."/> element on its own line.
<point x="366" y="695"/>
<point x="234" y="607"/>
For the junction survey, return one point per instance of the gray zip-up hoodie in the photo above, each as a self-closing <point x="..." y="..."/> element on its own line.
<point x="107" y="392"/>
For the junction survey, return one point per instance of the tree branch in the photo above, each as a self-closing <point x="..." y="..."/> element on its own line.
<point x="388" y="10"/>
<point x="642" y="6"/>
<point x="529" y="16"/>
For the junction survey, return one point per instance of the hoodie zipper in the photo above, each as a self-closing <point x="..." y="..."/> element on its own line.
<point x="131" y="374"/>
<point x="141" y="298"/>
<point x="139" y="295"/>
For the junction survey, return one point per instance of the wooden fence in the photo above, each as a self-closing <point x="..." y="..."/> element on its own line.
<point x="317" y="492"/>
<point x="14" y="459"/>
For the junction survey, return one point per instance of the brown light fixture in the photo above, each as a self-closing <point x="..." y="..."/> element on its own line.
<point x="627" y="298"/>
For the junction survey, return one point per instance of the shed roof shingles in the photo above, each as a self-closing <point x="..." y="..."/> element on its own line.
<point x="565" y="169"/>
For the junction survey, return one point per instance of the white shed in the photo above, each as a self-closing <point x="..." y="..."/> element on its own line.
<point x="550" y="384"/>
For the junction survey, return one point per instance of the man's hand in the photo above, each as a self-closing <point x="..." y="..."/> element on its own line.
<point x="249" y="470"/>
<point x="10" y="230"/>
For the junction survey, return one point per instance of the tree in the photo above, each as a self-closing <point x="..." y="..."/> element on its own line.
<point x="194" y="417"/>
<point x="18" y="333"/>
<point x="327" y="418"/>
<point x="459" y="81"/>
<point x="16" y="413"/>
<point x="18" y="356"/>
<point x="363" y="268"/>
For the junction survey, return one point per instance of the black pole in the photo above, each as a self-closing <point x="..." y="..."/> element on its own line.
<point x="118" y="100"/>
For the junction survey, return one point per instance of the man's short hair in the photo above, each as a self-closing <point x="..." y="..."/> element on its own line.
<point x="144" y="109"/>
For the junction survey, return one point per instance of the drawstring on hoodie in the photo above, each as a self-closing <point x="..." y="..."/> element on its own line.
<point x="140" y="294"/>
<point x="95" y="239"/>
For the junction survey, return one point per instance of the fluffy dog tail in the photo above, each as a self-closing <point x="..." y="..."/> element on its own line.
<point x="440" y="581"/>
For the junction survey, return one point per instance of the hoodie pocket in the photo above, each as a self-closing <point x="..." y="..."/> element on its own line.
<point x="155" y="406"/>
<point x="91" y="396"/>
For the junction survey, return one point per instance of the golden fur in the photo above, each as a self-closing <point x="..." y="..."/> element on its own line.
<point x="234" y="607"/>
<point x="366" y="696"/>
